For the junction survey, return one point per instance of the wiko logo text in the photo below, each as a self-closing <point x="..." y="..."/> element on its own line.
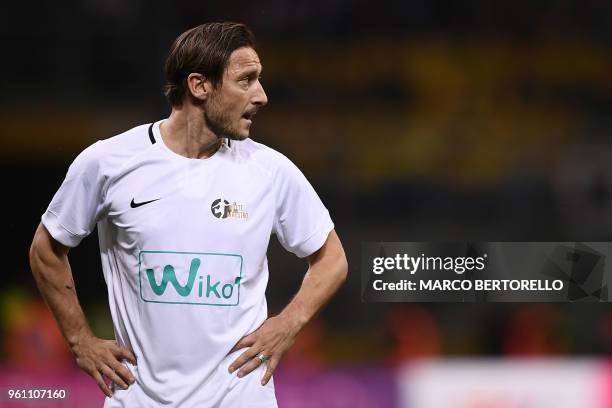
<point x="216" y="278"/>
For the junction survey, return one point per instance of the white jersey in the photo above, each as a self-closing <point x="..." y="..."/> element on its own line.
<point x="183" y="245"/>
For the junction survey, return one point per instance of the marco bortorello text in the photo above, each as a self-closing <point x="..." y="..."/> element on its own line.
<point x="485" y="272"/>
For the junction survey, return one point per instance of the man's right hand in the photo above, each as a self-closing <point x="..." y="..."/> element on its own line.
<point x="99" y="357"/>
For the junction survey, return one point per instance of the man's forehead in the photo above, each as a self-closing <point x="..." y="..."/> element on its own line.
<point x="243" y="59"/>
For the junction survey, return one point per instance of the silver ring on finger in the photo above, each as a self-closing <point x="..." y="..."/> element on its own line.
<point x="262" y="358"/>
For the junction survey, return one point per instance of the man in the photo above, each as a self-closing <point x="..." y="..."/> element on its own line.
<point x="185" y="208"/>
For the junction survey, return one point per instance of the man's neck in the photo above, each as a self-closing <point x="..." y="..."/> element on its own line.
<point x="186" y="133"/>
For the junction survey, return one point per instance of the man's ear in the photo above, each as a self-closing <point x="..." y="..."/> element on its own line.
<point x="199" y="87"/>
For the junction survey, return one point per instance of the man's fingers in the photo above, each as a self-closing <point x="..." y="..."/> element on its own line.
<point x="243" y="359"/>
<point x="246" y="341"/>
<point x="123" y="372"/>
<point x="112" y="375"/>
<point x="250" y="366"/>
<point x="123" y="353"/>
<point x="271" y="366"/>
<point x="100" y="381"/>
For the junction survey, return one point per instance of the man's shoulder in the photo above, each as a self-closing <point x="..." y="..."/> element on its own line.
<point x="134" y="139"/>
<point x="261" y="154"/>
<point x="106" y="156"/>
<point x="119" y="147"/>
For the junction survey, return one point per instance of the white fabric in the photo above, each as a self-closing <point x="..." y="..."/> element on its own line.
<point x="181" y="333"/>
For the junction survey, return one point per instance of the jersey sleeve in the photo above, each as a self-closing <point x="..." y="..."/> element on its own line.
<point x="78" y="204"/>
<point x="301" y="223"/>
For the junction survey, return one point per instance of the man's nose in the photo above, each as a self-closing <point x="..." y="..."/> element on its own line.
<point x="259" y="98"/>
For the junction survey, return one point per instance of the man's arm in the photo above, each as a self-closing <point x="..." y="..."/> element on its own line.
<point x="327" y="271"/>
<point x="51" y="270"/>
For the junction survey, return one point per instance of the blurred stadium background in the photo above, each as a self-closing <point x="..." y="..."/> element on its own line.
<point x="417" y="120"/>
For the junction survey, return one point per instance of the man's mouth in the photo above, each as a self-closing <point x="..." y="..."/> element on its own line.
<point x="249" y="115"/>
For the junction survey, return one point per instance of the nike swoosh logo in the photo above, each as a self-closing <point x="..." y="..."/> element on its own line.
<point x="134" y="205"/>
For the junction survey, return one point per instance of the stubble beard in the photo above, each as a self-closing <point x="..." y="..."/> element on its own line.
<point x="219" y="122"/>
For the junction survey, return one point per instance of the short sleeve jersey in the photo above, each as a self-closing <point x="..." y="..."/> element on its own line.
<point x="183" y="246"/>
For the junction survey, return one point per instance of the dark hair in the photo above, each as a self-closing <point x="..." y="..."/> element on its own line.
<point x="204" y="49"/>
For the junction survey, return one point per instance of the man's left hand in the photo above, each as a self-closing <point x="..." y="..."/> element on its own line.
<point x="273" y="338"/>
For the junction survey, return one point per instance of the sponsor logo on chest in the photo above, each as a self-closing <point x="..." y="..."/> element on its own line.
<point x="190" y="278"/>
<point x="222" y="208"/>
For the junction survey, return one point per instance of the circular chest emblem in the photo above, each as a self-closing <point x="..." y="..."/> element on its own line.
<point x="220" y="208"/>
